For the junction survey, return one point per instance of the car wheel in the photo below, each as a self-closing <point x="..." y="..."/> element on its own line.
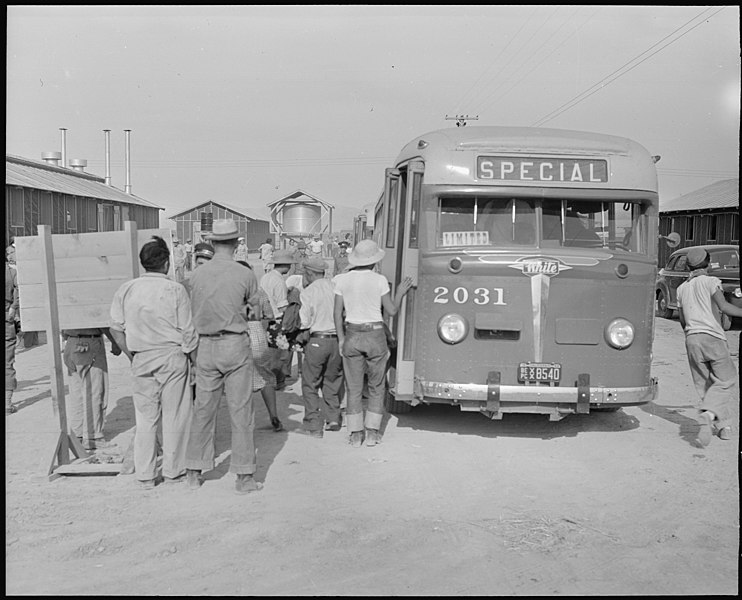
<point x="662" y="306"/>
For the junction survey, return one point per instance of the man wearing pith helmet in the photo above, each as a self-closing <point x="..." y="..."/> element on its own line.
<point x="221" y="289"/>
<point x="322" y="366"/>
<point x="361" y="294"/>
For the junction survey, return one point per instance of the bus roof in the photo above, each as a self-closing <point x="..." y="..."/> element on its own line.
<point x="450" y="154"/>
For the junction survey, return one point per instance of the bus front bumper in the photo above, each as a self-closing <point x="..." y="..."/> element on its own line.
<point x="496" y="399"/>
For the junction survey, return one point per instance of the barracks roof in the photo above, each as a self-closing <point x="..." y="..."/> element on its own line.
<point x="24" y="172"/>
<point x="722" y="194"/>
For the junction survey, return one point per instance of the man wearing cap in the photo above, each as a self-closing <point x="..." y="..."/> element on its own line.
<point x="700" y="300"/>
<point x="341" y="260"/>
<point x="240" y="253"/>
<point x="322" y="366"/>
<point x="179" y="260"/>
<point x="275" y="287"/>
<point x="221" y="290"/>
<point x="360" y="295"/>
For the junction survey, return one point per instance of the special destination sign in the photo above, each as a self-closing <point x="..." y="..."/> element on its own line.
<point x="516" y="168"/>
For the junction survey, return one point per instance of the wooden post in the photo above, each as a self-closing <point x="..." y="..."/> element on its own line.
<point x="132" y="243"/>
<point x="66" y="442"/>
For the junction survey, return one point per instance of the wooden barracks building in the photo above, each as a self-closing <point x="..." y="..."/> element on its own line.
<point x="68" y="199"/>
<point x="709" y="215"/>
<point x="192" y="223"/>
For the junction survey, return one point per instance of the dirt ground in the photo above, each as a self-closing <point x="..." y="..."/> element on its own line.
<point x="450" y="503"/>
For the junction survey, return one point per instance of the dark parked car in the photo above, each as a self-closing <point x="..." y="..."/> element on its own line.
<point x="724" y="265"/>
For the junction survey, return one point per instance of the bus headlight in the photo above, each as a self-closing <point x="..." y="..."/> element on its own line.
<point x="619" y="333"/>
<point x="452" y="328"/>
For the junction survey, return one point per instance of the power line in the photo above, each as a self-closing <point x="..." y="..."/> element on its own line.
<point x="607" y="80"/>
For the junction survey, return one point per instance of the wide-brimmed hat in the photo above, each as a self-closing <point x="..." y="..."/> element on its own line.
<point x="696" y="257"/>
<point x="222" y="230"/>
<point x="204" y="249"/>
<point x="315" y="263"/>
<point x="366" y="252"/>
<point x="283" y="257"/>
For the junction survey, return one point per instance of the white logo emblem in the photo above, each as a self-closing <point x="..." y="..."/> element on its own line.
<point x="540" y="266"/>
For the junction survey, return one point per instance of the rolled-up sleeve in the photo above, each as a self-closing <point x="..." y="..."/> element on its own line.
<point x="185" y="321"/>
<point x="117" y="320"/>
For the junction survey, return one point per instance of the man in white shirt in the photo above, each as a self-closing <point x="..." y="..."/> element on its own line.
<point x="322" y="366"/>
<point x="275" y="287"/>
<point x="700" y="299"/>
<point x="315" y="246"/>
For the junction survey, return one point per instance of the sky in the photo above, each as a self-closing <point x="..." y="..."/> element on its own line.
<point x="245" y="105"/>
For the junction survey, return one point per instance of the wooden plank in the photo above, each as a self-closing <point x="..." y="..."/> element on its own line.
<point x="86" y="468"/>
<point x="89" y="268"/>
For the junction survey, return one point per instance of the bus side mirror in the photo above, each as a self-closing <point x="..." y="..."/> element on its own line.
<point x="672" y="239"/>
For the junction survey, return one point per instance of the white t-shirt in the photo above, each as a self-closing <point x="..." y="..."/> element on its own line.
<point x="275" y="287"/>
<point x="699" y="310"/>
<point x="316" y="246"/>
<point x="361" y="292"/>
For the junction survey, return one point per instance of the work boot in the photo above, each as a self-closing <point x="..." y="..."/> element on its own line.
<point x="244" y="484"/>
<point x="193" y="477"/>
<point x="704" y="429"/>
<point x="9" y="408"/>
<point x="356" y="439"/>
<point x="332" y="426"/>
<point x="276" y="424"/>
<point x="372" y="437"/>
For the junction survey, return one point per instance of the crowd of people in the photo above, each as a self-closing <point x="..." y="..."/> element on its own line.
<point x="222" y="331"/>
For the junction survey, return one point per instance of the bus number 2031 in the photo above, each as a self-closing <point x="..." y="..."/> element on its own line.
<point x="461" y="295"/>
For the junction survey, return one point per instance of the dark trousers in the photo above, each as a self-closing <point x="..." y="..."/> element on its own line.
<point x="322" y="369"/>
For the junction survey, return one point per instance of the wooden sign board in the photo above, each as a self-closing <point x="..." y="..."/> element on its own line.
<point x="89" y="268"/>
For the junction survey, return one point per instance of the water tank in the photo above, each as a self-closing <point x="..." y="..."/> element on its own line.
<point x="301" y="219"/>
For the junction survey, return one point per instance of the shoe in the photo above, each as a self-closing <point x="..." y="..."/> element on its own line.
<point x="277" y="425"/>
<point x="244" y="484"/>
<point x="356" y="439"/>
<point x="179" y="479"/>
<point x="704" y="429"/>
<point x="372" y="437"/>
<point x="97" y="444"/>
<point x="725" y="433"/>
<point x="193" y="477"/>
<point x="9" y="410"/>
<point x="127" y="467"/>
<point x="332" y="426"/>
<point x="308" y="432"/>
<point x="148" y="484"/>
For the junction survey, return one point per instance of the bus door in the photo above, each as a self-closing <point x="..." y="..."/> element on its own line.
<point x="404" y="188"/>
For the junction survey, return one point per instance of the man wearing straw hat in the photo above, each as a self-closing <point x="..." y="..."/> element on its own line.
<point x="322" y="366"/>
<point x="361" y="293"/>
<point x="221" y="289"/>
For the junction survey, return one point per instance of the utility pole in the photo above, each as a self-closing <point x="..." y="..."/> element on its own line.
<point x="462" y="119"/>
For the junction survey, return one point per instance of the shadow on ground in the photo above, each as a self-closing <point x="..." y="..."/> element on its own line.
<point x="448" y="418"/>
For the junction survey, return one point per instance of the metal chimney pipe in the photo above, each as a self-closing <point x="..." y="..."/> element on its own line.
<point x="107" y="133"/>
<point x="64" y="146"/>
<point x="51" y="158"/>
<point x="127" y="187"/>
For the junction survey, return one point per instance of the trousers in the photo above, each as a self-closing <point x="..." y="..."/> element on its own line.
<point x="322" y="369"/>
<point x="162" y="396"/>
<point x="365" y="353"/>
<point x="224" y="365"/>
<point x="713" y="373"/>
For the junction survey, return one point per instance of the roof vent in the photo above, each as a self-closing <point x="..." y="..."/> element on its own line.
<point x="51" y="158"/>
<point x="78" y="164"/>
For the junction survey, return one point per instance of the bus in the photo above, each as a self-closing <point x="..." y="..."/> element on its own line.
<point x="534" y="253"/>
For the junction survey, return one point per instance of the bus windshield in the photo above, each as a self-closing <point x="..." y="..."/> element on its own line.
<point x="547" y="223"/>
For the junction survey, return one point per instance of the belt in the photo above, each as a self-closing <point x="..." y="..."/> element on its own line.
<point x="323" y="335"/>
<point x="364" y="326"/>
<point x="221" y="334"/>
